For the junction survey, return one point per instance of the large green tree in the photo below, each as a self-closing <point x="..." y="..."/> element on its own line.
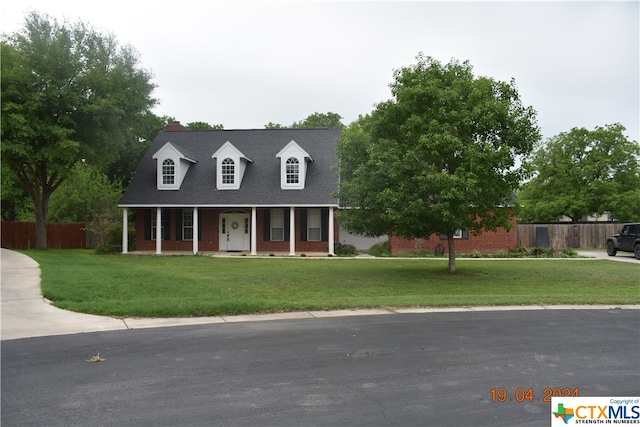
<point x="584" y="172"/>
<point x="440" y="156"/>
<point x="68" y="93"/>
<point x="18" y="205"/>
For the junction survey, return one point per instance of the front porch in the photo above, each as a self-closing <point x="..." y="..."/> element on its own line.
<point x="232" y="231"/>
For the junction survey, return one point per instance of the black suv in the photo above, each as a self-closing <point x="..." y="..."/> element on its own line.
<point x="627" y="240"/>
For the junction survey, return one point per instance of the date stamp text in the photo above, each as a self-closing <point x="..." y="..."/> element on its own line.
<point x="522" y="394"/>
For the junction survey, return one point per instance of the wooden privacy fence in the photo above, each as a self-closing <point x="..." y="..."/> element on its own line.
<point x="560" y="236"/>
<point x="22" y="235"/>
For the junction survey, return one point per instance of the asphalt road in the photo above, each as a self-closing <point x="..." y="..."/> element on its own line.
<point x="429" y="369"/>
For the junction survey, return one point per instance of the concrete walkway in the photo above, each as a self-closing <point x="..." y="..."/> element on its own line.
<point x="25" y="313"/>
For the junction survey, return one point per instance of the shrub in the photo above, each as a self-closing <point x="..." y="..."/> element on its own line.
<point x="381" y="249"/>
<point x="108" y="249"/>
<point x="520" y="251"/>
<point x="111" y="240"/>
<point x="476" y="254"/>
<point x="343" y="249"/>
<point x="538" y="252"/>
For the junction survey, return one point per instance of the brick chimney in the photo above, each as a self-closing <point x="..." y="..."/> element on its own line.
<point x="175" y="126"/>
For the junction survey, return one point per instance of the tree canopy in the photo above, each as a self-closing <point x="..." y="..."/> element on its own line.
<point x="16" y="203"/>
<point x="438" y="157"/>
<point x="584" y="172"/>
<point x="203" y="126"/>
<point x="68" y="93"/>
<point x="315" y="120"/>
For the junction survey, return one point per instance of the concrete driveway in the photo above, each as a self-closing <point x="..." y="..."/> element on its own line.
<point x="602" y="254"/>
<point x="25" y="313"/>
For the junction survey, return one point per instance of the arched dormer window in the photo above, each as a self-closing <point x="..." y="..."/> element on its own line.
<point x="293" y="166"/>
<point x="230" y="167"/>
<point x="292" y="171"/>
<point x="168" y="172"/>
<point x="172" y="166"/>
<point x="228" y="171"/>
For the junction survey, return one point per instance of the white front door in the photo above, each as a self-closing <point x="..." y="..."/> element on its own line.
<point x="234" y="232"/>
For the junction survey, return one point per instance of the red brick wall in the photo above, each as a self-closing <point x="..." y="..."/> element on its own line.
<point x="487" y="242"/>
<point x="208" y="219"/>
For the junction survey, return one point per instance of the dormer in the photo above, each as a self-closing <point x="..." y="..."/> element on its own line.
<point x="293" y="166"/>
<point x="172" y="166"/>
<point x="230" y="167"/>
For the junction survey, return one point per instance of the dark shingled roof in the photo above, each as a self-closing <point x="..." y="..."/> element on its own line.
<point x="261" y="183"/>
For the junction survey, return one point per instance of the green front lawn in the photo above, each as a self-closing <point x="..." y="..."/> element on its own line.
<point x="165" y="286"/>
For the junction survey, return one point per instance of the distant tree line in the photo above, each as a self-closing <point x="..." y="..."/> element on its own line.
<point x="583" y="172"/>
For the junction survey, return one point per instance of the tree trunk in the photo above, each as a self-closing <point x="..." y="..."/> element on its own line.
<point x="41" y="207"/>
<point x="419" y="246"/>
<point x="452" y="254"/>
<point x="40" y="185"/>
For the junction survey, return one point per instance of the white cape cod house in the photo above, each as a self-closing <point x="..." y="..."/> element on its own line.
<point x="253" y="191"/>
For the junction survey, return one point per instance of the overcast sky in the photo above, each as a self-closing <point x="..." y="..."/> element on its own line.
<point x="244" y="64"/>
